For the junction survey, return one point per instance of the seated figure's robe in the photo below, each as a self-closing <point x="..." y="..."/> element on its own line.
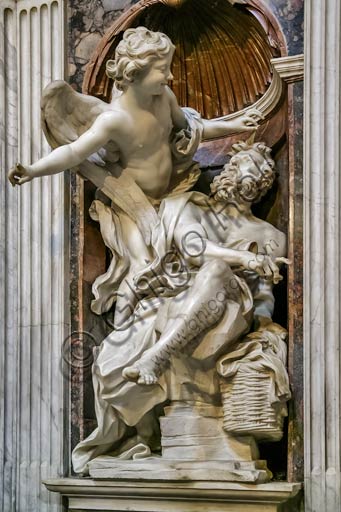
<point x="120" y="403"/>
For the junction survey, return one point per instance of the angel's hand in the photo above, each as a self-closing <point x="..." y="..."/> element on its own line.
<point x="19" y="175"/>
<point x="248" y="122"/>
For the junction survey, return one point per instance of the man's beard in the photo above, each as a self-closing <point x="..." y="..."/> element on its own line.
<point x="233" y="188"/>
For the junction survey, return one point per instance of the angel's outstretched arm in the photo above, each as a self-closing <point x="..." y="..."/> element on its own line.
<point x="70" y="155"/>
<point x="214" y="128"/>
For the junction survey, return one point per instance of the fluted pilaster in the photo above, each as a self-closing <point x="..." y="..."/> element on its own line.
<point x="322" y="256"/>
<point x="33" y="262"/>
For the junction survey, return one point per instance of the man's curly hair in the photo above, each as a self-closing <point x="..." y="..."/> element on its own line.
<point x="138" y="48"/>
<point x="231" y="186"/>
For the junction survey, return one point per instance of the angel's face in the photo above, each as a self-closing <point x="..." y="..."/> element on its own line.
<point x="155" y="77"/>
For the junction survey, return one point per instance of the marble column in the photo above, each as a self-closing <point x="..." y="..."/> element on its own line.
<point x="33" y="262"/>
<point x="322" y="255"/>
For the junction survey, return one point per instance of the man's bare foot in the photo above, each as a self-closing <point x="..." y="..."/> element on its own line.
<point x="142" y="373"/>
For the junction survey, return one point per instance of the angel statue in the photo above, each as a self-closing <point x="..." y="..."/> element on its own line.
<point x="138" y="151"/>
<point x="139" y="148"/>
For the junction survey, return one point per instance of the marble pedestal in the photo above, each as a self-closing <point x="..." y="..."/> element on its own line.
<point x="86" y="494"/>
<point x="194" y="447"/>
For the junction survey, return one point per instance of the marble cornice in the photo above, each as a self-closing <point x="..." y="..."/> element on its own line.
<point x="290" y="68"/>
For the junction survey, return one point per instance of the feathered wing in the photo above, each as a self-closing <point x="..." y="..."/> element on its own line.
<point x="67" y="114"/>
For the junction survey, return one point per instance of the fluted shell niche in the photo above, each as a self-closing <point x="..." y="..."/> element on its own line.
<point x="222" y="57"/>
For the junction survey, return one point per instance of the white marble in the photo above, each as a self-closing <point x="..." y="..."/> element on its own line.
<point x="255" y="384"/>
<point x="201" y="437"/>
<point x="322" y="255"/>
<point x="88" y="495"/>
<point x="289" y="68"/>
<point x="32" y="317"/>
<point x="178" y="469"/>
<point x="139" y="152"/>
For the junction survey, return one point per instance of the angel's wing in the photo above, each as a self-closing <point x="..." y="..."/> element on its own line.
<point x="67" y="114"/>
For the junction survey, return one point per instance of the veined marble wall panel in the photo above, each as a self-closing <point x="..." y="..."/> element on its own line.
<point x="88" y="22"/>
<point x="33" y="262"/>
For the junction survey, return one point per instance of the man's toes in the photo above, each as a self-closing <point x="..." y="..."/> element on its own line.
<point x="147" y="379"/>
<point x="131" y="373"/>
<point x="142" y="380"/>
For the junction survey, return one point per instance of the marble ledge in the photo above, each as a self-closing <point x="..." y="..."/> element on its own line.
<point x="290" y="68"/>
<point x="86" y="494"/>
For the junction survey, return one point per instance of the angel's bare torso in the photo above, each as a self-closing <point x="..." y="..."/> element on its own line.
<point x="142" y="142"/>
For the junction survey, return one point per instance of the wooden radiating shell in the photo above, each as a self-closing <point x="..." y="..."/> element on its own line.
<point x="222" y="58"/>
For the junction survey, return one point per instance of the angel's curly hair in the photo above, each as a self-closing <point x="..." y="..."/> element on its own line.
<point x="138" y="48"/>
<point x="230" y="185"/>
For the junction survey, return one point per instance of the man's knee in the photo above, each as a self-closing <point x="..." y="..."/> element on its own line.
<point x="219" y="269"/>
<point x="220" y="276"/>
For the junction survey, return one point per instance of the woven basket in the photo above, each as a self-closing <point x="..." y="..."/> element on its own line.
<point x="247" y="408"/>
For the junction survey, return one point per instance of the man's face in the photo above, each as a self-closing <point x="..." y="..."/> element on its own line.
<point x="155" y="77"/>
<point x="248" y="175"/>
<point x="248" y="163"/>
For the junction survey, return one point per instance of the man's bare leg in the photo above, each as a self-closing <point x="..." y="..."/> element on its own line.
<point x="202" y="308"/>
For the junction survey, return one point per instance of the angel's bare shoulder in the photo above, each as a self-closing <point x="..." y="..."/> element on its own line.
<point x="110" y="121"/>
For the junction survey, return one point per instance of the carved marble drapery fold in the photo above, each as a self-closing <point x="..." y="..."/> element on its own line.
<point x="322" y="255"/>
<point x="32" y="262"/>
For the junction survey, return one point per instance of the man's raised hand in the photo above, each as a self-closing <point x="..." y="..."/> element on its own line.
<point x="264" y="265"/>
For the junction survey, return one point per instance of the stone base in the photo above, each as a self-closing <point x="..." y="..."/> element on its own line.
<point x="194" y="431"/>
<point x="179" y="470"/>
<point x="86" y="494"/>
